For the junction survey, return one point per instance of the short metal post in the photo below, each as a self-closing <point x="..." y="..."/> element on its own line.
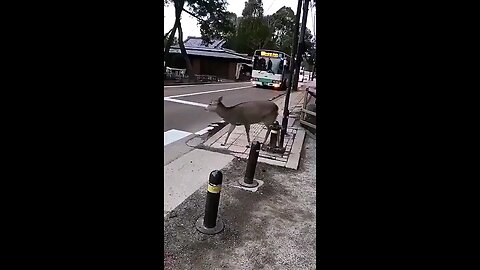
<point x="248" y="180"/>
<point x="274" y="135"/>
<point x="275" y="146"/>
<point x="211" y="223"/>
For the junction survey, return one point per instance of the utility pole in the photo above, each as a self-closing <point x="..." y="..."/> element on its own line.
<point x="301" y="46"/>
<point x="286" y="113"/>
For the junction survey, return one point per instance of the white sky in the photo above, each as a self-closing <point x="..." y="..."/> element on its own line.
<point x="189" y="23"/>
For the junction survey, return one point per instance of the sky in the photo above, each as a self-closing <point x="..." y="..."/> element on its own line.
<point x="189" y="23"/>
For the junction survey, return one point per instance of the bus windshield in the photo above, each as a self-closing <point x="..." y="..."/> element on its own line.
<point x="268" y="61"/>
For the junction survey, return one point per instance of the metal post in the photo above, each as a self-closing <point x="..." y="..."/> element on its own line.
<point x="210" y="223"/>
<point x="301" y="45"/>
<point x="286" y="113"/>
<point x="248" y="180"/>
<point x="274" y="135"/>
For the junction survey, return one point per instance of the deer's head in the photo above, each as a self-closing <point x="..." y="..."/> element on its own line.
<point x="212" y="106"/>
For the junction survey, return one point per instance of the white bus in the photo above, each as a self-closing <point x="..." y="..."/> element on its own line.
<point x="270" y="68"/>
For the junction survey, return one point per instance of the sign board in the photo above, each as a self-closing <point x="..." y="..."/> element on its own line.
<point x="269" y="54"/>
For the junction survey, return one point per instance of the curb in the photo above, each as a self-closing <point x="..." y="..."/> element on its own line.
<point x="276" y="97"/>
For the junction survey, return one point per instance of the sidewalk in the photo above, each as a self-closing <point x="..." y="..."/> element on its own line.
<point x="271" y="228"/>
<point x="293" y="141"/>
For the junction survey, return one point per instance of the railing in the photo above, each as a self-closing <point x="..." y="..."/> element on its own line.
<point x="206" y="78"/>
<point x="304" y="112"/>
<point x="175" y="73"/>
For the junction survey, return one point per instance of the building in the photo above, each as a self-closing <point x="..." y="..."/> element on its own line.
<point x="211" y="59"/>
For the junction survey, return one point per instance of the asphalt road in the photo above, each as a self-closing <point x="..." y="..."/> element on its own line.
<point x="192" y="117"/>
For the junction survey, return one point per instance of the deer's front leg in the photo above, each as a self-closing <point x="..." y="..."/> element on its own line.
<point x="232" y="127"/>
<point x="247" y="129"/>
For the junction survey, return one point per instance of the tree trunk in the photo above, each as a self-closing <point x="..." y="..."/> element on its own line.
<point x="191" y="74"/>
<point x="170" y="40"/>
<point x="167" y="47"/>
<point x="178" y="12"/>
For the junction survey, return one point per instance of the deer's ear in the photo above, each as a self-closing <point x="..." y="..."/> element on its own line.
<point x="220" y="98"/>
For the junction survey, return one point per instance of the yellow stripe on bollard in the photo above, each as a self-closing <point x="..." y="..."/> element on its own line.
<point x="214" y="189"/>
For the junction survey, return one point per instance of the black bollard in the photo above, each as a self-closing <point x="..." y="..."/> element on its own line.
<point x="248" y="180"/>
<point x="210" y="223"/>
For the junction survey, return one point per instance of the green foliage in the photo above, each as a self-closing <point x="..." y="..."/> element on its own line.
<point x="255" y="31"/>
<point x="250" y="32"/>
<point x="253" y="9"/>
<point x="283" y="28"/>
<point x="213" y="18"/>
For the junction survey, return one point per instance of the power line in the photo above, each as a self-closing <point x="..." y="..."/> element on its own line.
<point x="269" y="7"/>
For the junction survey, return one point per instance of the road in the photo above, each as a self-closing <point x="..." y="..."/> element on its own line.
<point x="184" y="106"/>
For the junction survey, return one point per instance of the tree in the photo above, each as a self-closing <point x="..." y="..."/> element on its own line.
<point x="283" y="27"/>
<point x="175" y="42"/>
<point x="253" y="31"/>
<point x="253" y="9"/>
<point x="211" y="15"/>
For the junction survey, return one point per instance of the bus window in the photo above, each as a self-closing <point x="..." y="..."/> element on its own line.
<point x="255" y="62"/>
<point x="262" y="64"/>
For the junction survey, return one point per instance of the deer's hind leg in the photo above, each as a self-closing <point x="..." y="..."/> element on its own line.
<point x="232" y="127"/>
<point x="247" y="129"/>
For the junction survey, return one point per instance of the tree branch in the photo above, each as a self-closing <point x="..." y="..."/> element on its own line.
<point x="193" y="15"/>
<point x="164" y="37"/>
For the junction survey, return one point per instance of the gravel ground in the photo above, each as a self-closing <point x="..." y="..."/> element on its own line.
<point x="273" y="228"/>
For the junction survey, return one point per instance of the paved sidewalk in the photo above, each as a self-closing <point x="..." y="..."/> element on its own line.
<point x="237" y="142"/>
<point x="271" y="228"/>
<point x="182" y="175"/>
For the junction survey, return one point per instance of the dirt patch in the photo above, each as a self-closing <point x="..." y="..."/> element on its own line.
<point x="273" y="228"/>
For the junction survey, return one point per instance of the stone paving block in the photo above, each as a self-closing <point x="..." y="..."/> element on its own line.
<point x="241" y="155"/>
<point x="238" y="149"/>
<point x="217" y="144"/>
<point x="243" y="140"/>
<point x="272" y="162"/>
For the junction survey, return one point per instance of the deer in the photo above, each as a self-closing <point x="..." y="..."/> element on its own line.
<point x="245" y="113"/>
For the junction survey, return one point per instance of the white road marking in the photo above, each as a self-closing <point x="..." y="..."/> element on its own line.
<point x="190" y="85"/>
<point x="173" y="135"/>
<point x="208" y="92"/>
<point x="185" y="102"/>
<point x="203" y="131"/>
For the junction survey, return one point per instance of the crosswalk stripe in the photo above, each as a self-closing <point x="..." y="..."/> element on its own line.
<point x="185" y="102"/>
<point x="203" y="131"/>
<point x="208" y="92"/>
<point x="173" y="135"/>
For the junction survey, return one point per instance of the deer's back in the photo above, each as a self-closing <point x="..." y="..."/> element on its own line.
<point x="252" y="112"/>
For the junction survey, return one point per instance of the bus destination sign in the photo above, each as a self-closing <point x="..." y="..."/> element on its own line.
<point x="268" y="54"/>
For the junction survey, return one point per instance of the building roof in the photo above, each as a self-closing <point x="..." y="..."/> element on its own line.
<point x="195" y="46"/>
<point x="198" y="42"/>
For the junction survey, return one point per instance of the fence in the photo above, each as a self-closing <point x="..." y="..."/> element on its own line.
<point x="174" y="73"/>
<point x="178" y="74"/>
<point x="305" y="112"/>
